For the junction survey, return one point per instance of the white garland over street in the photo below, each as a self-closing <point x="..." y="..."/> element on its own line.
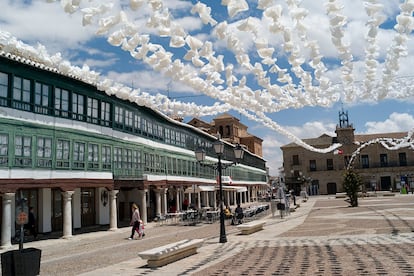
<point x="256" y="76"/>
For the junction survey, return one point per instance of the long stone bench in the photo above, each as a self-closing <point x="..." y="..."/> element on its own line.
<point x="169" y="253"/>
<point x="251" y="227"/>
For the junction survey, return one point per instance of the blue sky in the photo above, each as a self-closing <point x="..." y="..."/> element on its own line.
<point x="299" y="109"/>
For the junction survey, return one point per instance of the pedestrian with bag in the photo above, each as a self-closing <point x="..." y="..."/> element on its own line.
<point x="135" y="221"/>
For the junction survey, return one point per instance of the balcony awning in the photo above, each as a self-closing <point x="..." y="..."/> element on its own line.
<point x="238" y="189"/>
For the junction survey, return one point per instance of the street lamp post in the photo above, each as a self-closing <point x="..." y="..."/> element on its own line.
<point x="219" y="149"/>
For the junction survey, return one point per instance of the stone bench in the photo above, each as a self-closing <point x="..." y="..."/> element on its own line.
<point x="250" y="227"/>
<point x="169" y="253"/>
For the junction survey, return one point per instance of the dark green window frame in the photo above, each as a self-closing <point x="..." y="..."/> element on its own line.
<point x="44" y="152"/>
<point x="78" y="107"/>
<point x="105" y="114"/>
<point x="4" y="149"/>
<point x="4" y="88"/>
<point x="23" y="151"/>
<point x="106" y="157"/>
<point x="117" y="158"/>
<point x="42" y="96"/>
<point x="79" y="155"/>
<point x="21" y="93"/>
<point x="93" y="156"/>
<point x="62" y="102"/>
<point x="92" y="113"/>
<point x="62" y="153"/>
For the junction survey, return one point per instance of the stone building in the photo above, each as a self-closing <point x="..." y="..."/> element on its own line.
<point x="381" y="169"/>
<point x="231" y="130"/>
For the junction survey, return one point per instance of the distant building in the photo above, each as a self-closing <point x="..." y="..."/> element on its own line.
<point x="231" y="130"/>
<point x="317" y="173"/>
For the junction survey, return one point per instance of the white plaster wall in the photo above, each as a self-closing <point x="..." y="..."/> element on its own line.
<point x="44" y="215"/>
<point x="101" y="210"/>
<point x="76" y="209"/>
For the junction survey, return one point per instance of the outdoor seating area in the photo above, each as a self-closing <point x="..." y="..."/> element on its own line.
<point x="254" y="212"/>
<point x="209" y="215"/>
<point x="169" y="253"/>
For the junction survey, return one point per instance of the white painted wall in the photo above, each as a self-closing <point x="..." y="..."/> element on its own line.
<point x="76" y="209"/>
<point x="44" y="215"/>
<point x="101" y="210"/>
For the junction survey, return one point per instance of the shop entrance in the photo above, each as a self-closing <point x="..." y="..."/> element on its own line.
<point x="88" y="207"/>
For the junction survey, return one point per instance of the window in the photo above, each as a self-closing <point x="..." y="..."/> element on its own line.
<point x="105" y="114"/>
<point x="93" y="156"/>
<point x="228" y="131"/>
<point x="4" y="149"/>
<point x="4" y="85"/>
<point x="23" y="151"/>
<point x="78" y="102"/>
<point x="128" y="120"/>
<point x="402" y="157"/>
<point x="160" y="131"/>
<point x="136" y="159"/>
<point x="150" y="128"/>
<point x="119" y="117"/>
<point x="21" y="93"/>
<point x="383" y="160"/>
<point x="329" y="164"/>
<point x="182" y="140"/>
<point x="79" y="155"/>
<point x="118" y="158"/>
<point x="144" y="126"/>
<point x="127" y="159"/>
<point x="106" y="157"/>
<point x="177" y="138"/>
<point x="312" y="165"/>
<point x="137" y="123"/>
<point x="295" y="159"/>
<point x="44" y="152"/>
<point x="92" y="111"/>
<point x="62" y="153"/>
<point x="61" y="102"/>
<point x="42" y="96"/>
<point x="167" y="136"/>
<point x="364" y="161"/>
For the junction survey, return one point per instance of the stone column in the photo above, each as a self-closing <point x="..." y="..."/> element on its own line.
<point x="6" y="220"/>
<point x="199" y="200"/>
<point x="143" y="205"/>
<point x="207" y="200"/>
<point x="157" y="202"/>
<point x="177" y="200"/>
<point x="113" y="218"/>
<point x="67" y="214"/>
<point x="165" y="201"/>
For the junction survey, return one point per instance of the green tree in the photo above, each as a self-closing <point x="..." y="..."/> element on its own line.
<point x="352" y="185"/>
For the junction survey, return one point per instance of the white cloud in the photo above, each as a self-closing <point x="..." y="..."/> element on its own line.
<point x="149" y="81"/>
<point x="396" y="122"/>
<point x="43" y="22"/>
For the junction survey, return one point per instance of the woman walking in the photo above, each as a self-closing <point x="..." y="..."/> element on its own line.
<point x="135" y="221"/>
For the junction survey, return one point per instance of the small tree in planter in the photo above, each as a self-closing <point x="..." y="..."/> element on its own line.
<point x="352" y="185"/>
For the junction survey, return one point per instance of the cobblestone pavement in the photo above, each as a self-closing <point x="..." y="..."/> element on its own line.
<point x="323" y="237"/>
<point x="374" y="239"/>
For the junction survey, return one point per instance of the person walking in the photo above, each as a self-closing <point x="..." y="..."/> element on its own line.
<point x="31" y="224"/>
<point x="239" y="214"/>
<point x="135" y="221"/>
